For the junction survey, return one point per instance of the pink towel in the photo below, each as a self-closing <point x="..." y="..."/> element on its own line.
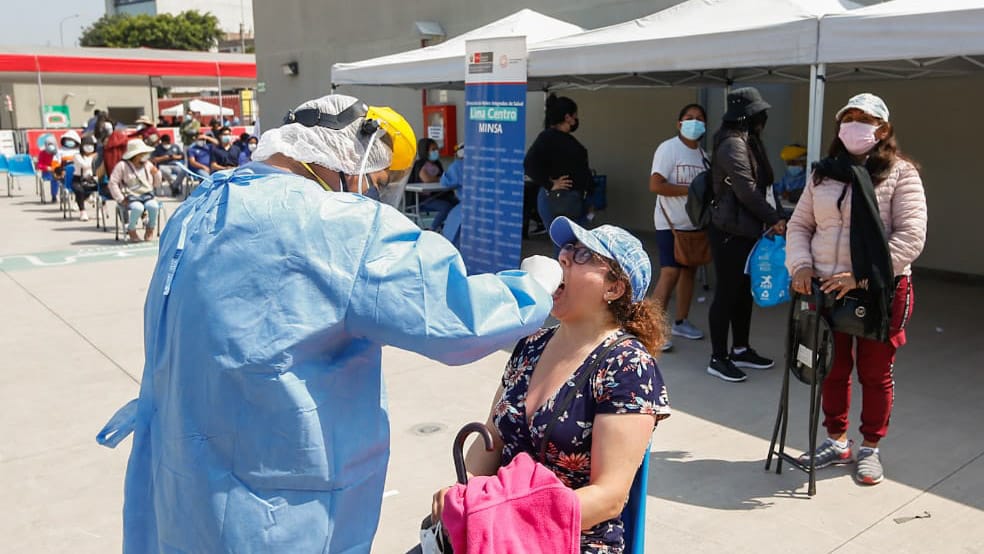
<point x="523" y="509"/>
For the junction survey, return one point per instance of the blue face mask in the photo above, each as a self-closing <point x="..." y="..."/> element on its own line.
<point x="434" y="155"/>
<point x="795" y="170"/>
<point x="692" y="129"/>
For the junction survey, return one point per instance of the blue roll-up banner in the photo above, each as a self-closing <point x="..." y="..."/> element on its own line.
<point x="495" y="141"/>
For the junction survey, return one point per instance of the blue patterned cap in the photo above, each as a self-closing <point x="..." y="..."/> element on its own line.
<point x="611" y="242"/>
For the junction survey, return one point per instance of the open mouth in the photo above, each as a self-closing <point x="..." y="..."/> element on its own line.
<point x="560" y="289"/>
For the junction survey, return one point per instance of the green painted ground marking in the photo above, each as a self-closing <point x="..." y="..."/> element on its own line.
<point x="20" y="262"/>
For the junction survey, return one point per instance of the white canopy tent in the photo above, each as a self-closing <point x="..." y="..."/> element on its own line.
<point x="200" y="106"/>
<point x="906" y="30"/>
<point x="694" y="42"/>
<point x="444" y="63"/>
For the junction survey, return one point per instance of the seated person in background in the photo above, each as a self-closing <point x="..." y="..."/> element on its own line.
<point x="226" y="154"/>
<point x="596" y="444"/>
<point x="84" y="180"/>
<point x="454" y="176"/>
<point x="132" y="184"/>
<point x="790" y="186"/>
<point x="246" y="152"/>
<point x="147" y="130"/>
<point x="168" y="157"/>
<point x="200" y="157"/>
<point x="428" y="169"/>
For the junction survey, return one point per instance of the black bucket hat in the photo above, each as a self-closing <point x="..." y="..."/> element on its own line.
<point x="744" y="102"/>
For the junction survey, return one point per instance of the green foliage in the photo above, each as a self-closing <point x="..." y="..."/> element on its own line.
<point x="189" y="30"/>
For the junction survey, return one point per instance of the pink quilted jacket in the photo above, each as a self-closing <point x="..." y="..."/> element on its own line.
<point x="819" y="234"/>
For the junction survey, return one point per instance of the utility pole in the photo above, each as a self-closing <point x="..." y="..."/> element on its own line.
<point x="61" y="28"/>
<point x="242" y="27"/>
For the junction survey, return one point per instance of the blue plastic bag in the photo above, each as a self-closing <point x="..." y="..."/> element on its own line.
<point x="767" y="269"/>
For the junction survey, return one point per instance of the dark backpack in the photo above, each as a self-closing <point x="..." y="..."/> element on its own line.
<point x="700" y="196"/>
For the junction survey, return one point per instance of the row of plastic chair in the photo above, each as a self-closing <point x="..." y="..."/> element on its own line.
<point x="20" y="165"/>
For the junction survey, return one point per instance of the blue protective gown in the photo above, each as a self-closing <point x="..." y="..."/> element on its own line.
<point x="261" y="424"/>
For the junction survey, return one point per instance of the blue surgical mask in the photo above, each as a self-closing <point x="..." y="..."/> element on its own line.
<point x="692" y="129"/>
<point x="434" y="155"/>
<point x="795" y="170"/>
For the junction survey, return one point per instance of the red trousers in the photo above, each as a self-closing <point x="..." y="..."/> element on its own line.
<point x="875" y="361"/>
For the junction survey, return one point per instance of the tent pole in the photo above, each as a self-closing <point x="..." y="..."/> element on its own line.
<point x="815" y="132"/>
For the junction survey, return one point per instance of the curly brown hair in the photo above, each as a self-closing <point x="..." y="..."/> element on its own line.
<point x="644" y="319"/>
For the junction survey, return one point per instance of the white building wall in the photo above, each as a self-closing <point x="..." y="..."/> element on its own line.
<point x="27" y="111"/>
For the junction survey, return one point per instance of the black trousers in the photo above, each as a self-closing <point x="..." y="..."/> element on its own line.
<point x="732" y="305"/>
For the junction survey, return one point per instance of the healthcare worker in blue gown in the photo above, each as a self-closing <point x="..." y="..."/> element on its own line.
<point x="261" y="424"/>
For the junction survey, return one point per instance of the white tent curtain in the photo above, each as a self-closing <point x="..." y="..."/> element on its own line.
<point x="444" y="63"/>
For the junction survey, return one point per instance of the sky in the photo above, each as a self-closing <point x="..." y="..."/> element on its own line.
<point x="29" y="26"/>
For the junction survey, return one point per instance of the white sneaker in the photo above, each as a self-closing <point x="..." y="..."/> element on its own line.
<point x="83" y="216"/>
<point x="667" y="346"/>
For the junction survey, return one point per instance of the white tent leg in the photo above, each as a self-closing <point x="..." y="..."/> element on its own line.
<point x="815" y="130"/>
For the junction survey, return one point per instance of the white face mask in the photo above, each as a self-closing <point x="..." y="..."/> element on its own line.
<point x="460" y="154"/>
<point x="88" y="148"/>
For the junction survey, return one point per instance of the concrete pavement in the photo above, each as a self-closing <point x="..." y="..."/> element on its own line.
<point x="71" y="338"/>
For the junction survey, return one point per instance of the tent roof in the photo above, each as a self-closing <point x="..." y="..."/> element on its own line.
<point x="687" y="42"/>
<point x="201" y="106"/>
<point x="444" y="62"/>
<point x="127" y="66"/>
<point x="906" y="30"/>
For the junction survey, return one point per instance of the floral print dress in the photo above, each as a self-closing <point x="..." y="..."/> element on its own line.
<point x="627" y="382"/>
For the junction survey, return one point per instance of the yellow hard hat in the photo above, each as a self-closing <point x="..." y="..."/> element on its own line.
<point x="400" y="134"/>
<point x="792" y="152"/>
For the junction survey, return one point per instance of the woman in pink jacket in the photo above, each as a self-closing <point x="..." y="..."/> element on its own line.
<point x="836" y="236"/>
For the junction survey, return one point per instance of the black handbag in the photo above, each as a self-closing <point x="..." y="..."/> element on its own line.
<point x="566" y="202"/>
<point x="855" y="314"/>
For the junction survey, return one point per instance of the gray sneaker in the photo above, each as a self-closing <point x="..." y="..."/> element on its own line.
<point x="687" y="330"/>
<point x="667" y="346"/>
<point x="828" y="453"/>
<point x="869" y="470"/>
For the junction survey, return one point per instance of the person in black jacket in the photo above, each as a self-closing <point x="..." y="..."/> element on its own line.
<point x="556" y="160"/>
<point x="741" y="213"/>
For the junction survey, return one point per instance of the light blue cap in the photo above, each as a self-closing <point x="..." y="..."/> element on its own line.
<point x="611" y="242"/>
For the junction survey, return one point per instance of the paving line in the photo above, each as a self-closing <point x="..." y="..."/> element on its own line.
<point x="917" y="497"/>
<point x="70" y="326"/>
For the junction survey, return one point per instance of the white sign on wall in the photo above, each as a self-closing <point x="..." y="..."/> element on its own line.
<point x="7" y="145"/>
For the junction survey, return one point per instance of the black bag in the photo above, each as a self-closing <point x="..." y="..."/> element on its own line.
<point x="855" y="314"/>
<point x="700" y="196"/>
<point x="566" y="202"/>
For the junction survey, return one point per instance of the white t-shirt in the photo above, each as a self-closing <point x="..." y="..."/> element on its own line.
<point x="678" y="164"/>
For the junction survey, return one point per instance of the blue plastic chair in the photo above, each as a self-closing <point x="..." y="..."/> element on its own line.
<point x="634" y="513"/>
<point x="3" y="169"/>
<point x="21" y="165"/>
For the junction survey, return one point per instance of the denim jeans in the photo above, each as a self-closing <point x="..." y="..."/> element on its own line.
<point x="137" y="208"/>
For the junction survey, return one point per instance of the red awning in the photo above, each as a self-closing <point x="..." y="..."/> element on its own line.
<point x="150" y="63"/>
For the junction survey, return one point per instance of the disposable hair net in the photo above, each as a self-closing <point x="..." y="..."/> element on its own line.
<point x="340" y="150"/>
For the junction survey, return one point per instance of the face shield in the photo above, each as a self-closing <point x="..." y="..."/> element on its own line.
<point x="374" y="145"/>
